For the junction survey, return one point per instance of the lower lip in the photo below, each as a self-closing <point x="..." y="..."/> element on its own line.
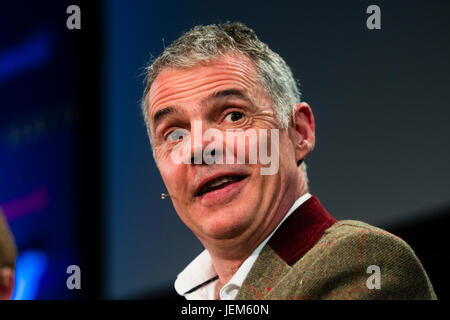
<point x="221" y="195"/>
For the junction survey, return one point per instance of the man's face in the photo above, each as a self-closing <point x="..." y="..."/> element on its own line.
<point x="220" y="201"/>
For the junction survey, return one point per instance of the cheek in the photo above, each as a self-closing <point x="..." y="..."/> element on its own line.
<point x="170" y="173"/>
<point x="288" y="164"/>
<point x="161" y="154"/>
<point x="254" y="143"/>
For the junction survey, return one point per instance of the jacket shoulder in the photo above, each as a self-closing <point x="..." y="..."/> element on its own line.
<point x="341" y="264"/>
<point x="349" y="227"/>
<point x="367" y="236"/>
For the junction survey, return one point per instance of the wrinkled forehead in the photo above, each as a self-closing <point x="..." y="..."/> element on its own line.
<point x="188" y="83"/>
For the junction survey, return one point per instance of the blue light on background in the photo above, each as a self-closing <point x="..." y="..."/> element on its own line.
<point x="32" y="53"/>
<point x="30" y="267"/>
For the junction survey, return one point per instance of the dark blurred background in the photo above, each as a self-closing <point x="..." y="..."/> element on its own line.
<point x="78" y="183"/>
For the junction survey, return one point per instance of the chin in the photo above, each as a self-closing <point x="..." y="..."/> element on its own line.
<point x="226" y="224"/>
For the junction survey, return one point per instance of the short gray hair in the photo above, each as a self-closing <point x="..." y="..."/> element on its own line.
<point x="204" y="43"/>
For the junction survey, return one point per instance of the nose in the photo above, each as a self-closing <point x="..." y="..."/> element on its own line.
<point x="197" y="155"/>
<point x="206" y="145"/>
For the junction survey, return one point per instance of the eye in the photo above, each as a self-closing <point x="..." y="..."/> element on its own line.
<point x="234" y="116"/>
<point x="177" y="135"/>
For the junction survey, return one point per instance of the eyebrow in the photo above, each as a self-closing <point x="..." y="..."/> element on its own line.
<point x="161" y="114"/>
<point x="164" y="112"/>
<point x="229" y="92"/>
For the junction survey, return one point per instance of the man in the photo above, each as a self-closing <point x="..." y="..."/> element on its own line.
<point x="265" y="236"/>
<point x="7" y="260"/>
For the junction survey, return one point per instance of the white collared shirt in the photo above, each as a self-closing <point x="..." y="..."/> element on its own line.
<point x="200" y="272"/>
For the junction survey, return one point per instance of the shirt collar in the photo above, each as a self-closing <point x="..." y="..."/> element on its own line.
<point x="201" y="270"/>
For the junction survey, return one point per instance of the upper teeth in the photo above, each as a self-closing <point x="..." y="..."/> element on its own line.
<point x="221" y="180"/>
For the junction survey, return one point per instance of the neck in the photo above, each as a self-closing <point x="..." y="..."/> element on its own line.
<point x="228" y="255"/>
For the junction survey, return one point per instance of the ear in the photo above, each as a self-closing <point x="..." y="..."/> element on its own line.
<point x="6" y="283"/>
<point x="303" y="131"/>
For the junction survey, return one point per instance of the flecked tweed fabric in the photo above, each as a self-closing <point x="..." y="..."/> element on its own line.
<point x="336" y="268"/>
<point x="8" y="250"/>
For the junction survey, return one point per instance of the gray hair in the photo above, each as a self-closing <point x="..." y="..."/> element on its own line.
<point x="204" y="43"/>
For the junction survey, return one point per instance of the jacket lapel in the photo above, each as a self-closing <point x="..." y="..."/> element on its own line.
<point x="268" y="269"/>
<point x="296" y="236"/>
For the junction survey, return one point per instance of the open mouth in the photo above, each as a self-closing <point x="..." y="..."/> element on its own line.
<point x="218" y="183"/>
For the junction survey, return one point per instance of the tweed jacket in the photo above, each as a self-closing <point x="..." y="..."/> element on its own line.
<point x="314" y="256"/>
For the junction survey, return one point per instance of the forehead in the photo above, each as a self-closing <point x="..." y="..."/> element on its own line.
<point x="188" y="84"/>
